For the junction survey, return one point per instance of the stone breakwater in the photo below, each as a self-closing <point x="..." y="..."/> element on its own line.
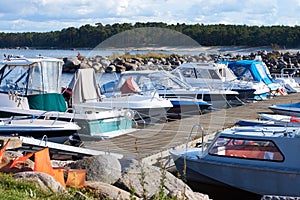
<point x="275" y="60"/>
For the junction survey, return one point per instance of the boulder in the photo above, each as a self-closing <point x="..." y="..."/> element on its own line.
<point x="105" y="62"/>
<point x="111" y="68"/>
<point x="107" y="191"/>
<point x="103" y="168"/>
<point x="97" y="67"/>
<point x="44" y="181"/>
<point x="146" y="180"/>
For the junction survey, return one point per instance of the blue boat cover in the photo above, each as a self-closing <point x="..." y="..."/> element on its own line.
<point x="258" y="70"/>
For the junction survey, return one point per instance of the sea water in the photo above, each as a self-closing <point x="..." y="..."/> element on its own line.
<point x="61" y="53"/>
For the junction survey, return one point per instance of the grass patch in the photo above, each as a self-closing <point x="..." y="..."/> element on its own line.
<point x="23" y="190"/>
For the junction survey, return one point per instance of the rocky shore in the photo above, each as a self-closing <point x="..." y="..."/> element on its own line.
<point x="275" y="60"/>
<point x="107" y="178"/>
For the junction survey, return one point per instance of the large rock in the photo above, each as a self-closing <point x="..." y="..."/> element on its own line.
<point x="45" y="181"/>
<point x="146" y="180"/>
<point x="107" y="191"/>
<point x="103" y="168"/>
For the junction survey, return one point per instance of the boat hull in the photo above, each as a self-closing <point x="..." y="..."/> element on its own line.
<point x="58" y="136"/>
<point x="258" y="180"/>
<point x="94" y="123"/>
<point x="287" y="109"/>
<point x="187" y="107"/>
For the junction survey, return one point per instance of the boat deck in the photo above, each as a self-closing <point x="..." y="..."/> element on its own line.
<point x="153" y="142"/>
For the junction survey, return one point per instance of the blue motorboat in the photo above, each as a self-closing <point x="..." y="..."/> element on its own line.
<point x="258" y="159"/>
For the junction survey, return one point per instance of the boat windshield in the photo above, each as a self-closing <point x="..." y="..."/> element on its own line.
<point x="227" y="74"/>
<point x="37" y="78"/>
<point x="246" y="148"/>
<point x="151" y="81"/>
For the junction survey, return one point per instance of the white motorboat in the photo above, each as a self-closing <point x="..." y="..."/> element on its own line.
<point x="39" y="127"/>
<point x="146" y="105"/>
<point x="219" y="76"/>
<point x="171" y="87"/>
<point x="258" y="159"/>
<point x="31" y="86"/>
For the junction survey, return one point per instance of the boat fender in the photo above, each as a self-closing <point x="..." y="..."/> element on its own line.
<point x="282" y="91"/>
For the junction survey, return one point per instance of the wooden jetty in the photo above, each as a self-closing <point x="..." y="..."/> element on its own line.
<point x="152" y="143"/>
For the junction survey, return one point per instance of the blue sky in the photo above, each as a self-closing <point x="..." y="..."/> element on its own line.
<point x="52" y="15"/>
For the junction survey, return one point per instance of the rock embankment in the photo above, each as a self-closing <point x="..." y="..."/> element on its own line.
<point x="108" y="178"/>
<point x="275" y="61"/>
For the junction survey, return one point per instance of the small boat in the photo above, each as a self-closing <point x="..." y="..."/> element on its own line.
<point x="147" y="105"/>
<point x="40" y="127"/>
<point x="255" y="71"/>
<point x="217" y="75"/>
<point x="258" y="159"/>
<point x="31" y="86"/>
<point x="271" y="120"/>
<point x="169" y="86"/>
<point x="292" y="109"/>
<point x="279" y="118"/>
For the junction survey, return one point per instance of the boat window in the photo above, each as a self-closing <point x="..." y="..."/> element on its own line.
<point x="247" y="76"/>
<point x="238" y="70"/>
<point x="213" y="74"/>
<point x="45" y="78"/>
<point x="188" y="73"/>
<point x="14" y="79"/>
<point x="227" y="74"/>
<point x="246" y="148"/>
<point x="51" y="76"/>
<point x="202" y="73"/>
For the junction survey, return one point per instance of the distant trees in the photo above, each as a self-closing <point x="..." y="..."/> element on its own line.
<point x="89" y="36"/>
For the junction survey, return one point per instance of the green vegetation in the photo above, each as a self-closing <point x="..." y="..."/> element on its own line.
<point x="89" y="36"/>
<point x="15" y="190"/>
<point x="29" y="190"/>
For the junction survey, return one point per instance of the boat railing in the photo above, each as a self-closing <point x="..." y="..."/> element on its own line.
<point x="133" y="114"/>
<point x="71" y="110"/>
<point x="191" y="133"/>
<point x="48" y="115"/>
<point x="5" y="121"/>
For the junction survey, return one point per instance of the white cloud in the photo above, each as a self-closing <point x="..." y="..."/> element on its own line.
<point x="47" y="15"/>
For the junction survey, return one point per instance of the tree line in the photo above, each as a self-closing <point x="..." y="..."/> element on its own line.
<point x="88" y="36"/>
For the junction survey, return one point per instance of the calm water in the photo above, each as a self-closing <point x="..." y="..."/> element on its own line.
<point x="60" y="53"/>
<point x="84" y="52"/>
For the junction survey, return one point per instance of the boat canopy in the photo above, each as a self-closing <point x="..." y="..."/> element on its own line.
<point x="250" y="70"/>
<point x="38" y="79"/>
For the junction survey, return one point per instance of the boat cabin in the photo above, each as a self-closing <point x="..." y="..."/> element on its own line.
<point x="32" y="83"/>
